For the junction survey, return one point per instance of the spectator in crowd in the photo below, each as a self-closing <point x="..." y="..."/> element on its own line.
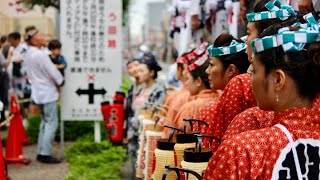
<point x="152" y="91"/>
<point x="56" y="57"/>
<point x="5" y="58"/>
<point x="18" y="71"/>
<point x="132" y="91"/>
<point x="44" y="78"/>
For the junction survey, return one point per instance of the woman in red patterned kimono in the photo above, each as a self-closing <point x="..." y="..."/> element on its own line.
<point x="285" y="83"/>
<point x="183" y="93"/>
<point x="183" y="96"/>
<point x="224" y="75"/>
<point x="199" y="87"/>
<point x="237" y="96"/>
<point x="254" y="118"/>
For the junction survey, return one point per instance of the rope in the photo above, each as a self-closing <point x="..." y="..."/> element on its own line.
<point x="24" y="100"/>
<point x="7" y="121"/>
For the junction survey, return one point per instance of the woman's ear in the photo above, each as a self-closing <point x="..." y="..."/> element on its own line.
<point x="232" y="71"/>
<point x="279" y="79"/>
<point x="199" y="81"/>
<point x="152" y="73"/>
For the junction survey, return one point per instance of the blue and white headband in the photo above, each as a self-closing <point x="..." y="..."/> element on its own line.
<point x="276" y="10"/>
<point x="234" y="47"/>
<point x="290" y="41"/>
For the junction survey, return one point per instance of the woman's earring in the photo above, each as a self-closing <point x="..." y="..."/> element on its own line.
<point x="277" y="98"/>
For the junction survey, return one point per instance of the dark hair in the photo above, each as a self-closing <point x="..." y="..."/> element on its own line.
<point x="3" y="39"/>
<point x="263" y="24"/>
<point x="201" y="72"/>
<point x="14" y="35"/>
<point x="54" y="44"/>
<point x="302" y="66"/>
<point x="150" y="60"/>
<point x="240" y="59"/>
<point x="180" y="65"/>
<point x="29" y="28"/>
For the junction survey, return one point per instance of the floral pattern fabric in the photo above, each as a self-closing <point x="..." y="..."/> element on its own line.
<point x="254" y="154"/>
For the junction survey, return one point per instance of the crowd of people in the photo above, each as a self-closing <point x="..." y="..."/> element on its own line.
<point x="33" y="68"/>
<point x="258" y="94"/>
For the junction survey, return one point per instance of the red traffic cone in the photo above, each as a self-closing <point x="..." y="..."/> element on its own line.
<point x="21" y="131"/>
<point x="3" y="174"/>
<point x="14" y="153"/>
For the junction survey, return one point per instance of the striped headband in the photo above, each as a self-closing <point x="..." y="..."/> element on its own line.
<point x="276" y="10"/>
<point x="234" y="47"/>
<point x="192" y="55"/>
<point x="289" y="40"/>
<point x="198" y="62"/>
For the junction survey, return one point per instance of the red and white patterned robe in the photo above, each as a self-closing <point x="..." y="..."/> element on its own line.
<point x="190" y="109"/>
<point x="181" y="98"/>
<point x="250" y="119"/>
<point x="254" y="118"/>
<point x="236" y="97"/>
<point x="263" y="153"/>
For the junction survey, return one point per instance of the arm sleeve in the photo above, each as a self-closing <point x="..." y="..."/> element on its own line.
<point x="51" y="69"/>
<point x="224" y="164"/>
<point x="63" y="61"/>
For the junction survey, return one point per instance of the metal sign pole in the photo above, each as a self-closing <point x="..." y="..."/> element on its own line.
<point x="97" y="132"/>
<point x="61" y="139"/>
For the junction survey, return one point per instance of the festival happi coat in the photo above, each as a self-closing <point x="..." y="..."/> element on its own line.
<point x="254" y="118"/>
<point x="190" y="109"/>
<point x="287" y="150"/>
<point x="254" y="154"/>
<point x="250" y="119"/>
<point x="172" y="97"/>
<point x="236" y="97"/>
<point x="184" y="95"/>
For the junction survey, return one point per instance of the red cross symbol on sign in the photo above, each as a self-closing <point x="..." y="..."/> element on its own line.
<point x="91" y="77"/>
<point x="112" y="44"/>
<point x="112" y="30"/>
<point x="112" y="16"/>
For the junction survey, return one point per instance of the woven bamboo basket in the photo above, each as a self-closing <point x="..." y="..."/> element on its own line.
<point x="179" y="151"/>
<point x="198" y="167"/>
<point x="164" y="156"/>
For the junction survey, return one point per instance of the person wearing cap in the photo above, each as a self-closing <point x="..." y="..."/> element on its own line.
<point x="44" y="78"/>
<point x="151" y="92"/>
<point x="284" y="72"/>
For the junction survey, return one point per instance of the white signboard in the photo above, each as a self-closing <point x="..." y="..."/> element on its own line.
<point x="91" y="43"/>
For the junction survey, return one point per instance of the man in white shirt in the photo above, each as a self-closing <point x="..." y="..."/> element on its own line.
<point x="17" y="66"/>
<point x="44" y="78"/>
